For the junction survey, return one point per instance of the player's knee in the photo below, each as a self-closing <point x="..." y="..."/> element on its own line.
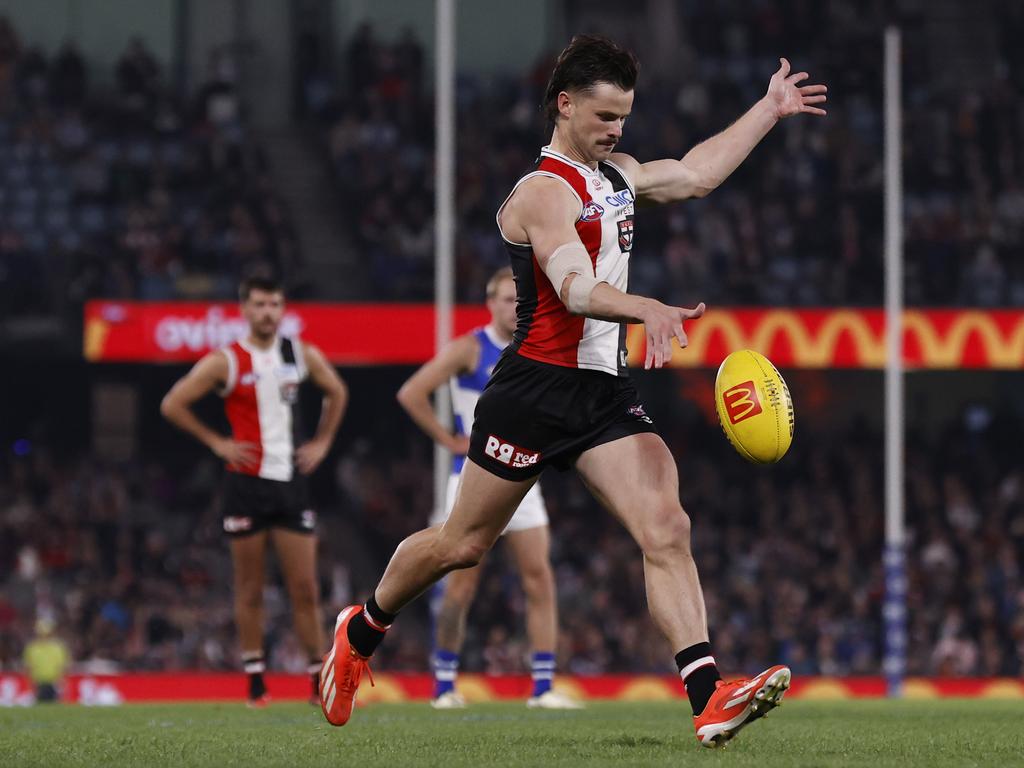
<point x="463" y="550"/>
<point x="666" y="529"/>
<point x="465" y="554"/>
<point x="538" y="581"/>
<point x="249" y="597"/>
<point x="303" y="596"/>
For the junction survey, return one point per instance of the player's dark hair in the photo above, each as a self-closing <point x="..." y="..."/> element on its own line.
<point x="252" y="283"/>
<point x="585" y="62"/>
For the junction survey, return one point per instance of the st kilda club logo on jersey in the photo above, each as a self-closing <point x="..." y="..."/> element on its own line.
<point x="592" y="212"/>
<point x="626" y="235"/>
<point x="288" y="383"/>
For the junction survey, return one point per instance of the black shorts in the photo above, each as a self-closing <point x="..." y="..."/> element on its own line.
<point x="253" y="504"/>
<point x="532" y="415"/>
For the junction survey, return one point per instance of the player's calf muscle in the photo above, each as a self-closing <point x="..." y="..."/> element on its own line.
<point x="451" y="624"/>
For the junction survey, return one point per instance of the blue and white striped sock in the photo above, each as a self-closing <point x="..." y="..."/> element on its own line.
<point x="446" y="667"/>
<point x="542" y="670"/>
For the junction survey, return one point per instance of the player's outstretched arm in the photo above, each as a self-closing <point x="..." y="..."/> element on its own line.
<point x="207" y="375"/>
<point x="543" y="213"/>
<point x="309" y="455"/>
<point x="712" y="161"/>
<point x="460" y="356"/>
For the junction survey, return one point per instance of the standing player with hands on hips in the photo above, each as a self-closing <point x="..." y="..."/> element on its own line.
<point x="265" y="494"/>
<point x="560" y="395"/>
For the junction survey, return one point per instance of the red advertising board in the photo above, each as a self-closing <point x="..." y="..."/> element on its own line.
<point x="403" y="334"/>
<point x="348" y="334"/>
<point x="108" y="690"/>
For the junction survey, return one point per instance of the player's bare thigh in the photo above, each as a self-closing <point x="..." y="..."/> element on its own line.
<point x="635" y="478"/>
<point x="484" y="503"/>
<point x="247" y="557"/>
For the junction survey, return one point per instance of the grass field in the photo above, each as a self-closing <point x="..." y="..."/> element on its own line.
<point x="801" y="733"/>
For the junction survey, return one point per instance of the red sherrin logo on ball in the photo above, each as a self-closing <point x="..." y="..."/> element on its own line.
<point x="741" y="402"/>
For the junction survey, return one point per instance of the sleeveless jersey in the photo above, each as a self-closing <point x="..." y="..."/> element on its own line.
<point x="545" y="330"/>
<point x="261" y="392"/>
<point x="467" y="387"/>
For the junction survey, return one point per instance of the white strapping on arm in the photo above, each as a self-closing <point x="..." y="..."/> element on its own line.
<point x="572" y="259"/>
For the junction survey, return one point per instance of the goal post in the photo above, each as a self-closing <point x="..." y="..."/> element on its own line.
<point x="894" y="610"/>
<point x="444" y="219"/>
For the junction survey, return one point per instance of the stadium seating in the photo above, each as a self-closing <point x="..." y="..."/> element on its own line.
<point x="133" y="192"/>
<point x="800" y="224"/>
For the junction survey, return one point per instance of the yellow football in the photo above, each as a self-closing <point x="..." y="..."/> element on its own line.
<point x="754" y="407"/>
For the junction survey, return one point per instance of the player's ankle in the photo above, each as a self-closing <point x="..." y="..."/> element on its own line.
<point x="254" y="665"/>
<point x="446" y="667"/>
<point x="367" y="628"/>
<point x="542" y="670"/>
<point x="700" y="674"/>
<point x="314" y="674"/>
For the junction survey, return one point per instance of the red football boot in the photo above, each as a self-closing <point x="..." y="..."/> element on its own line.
<point x="735" y="704"/>
<point x="342" y="670"/>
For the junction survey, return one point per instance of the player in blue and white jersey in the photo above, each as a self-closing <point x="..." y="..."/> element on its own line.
<point x="466" y="364"/>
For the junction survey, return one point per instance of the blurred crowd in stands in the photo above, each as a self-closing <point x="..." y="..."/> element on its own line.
<point x="130" y="563"/>
<point x="134" y="189"/>
<point x="799" y="224"/>
<point x="127" y="189"/>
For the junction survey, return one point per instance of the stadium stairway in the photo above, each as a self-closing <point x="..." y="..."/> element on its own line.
<point x="302" y="173"/>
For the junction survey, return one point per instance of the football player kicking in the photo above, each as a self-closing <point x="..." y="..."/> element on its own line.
<point x="560" y="395"/>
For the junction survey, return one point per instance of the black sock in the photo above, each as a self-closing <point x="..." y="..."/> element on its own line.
<point x="257" y="687"/>
<point x="699" y="672"/>
<point x="366" y="629"/>
<point x="314" y="675"/>
<point x="254" y="667"/>
<point x="378" y="614"/>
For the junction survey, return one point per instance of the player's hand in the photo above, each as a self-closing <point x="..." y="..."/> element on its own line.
<point x="459" y="445"/>
<point x="236" y="453"/>
<point x="662" y="323"/>
<point x="787" y="98"/>
<point x="310" y="455"/>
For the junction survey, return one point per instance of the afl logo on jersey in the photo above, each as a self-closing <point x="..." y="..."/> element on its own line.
<point x="626" y="235"/>
<point x="592" y="212"/>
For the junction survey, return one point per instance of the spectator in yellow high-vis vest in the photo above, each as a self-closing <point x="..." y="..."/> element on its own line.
<point x="46" y="658"/>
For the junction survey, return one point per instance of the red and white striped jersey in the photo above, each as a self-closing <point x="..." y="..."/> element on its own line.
<point x="259" y="396"/>
<point x="545" y="330"/>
